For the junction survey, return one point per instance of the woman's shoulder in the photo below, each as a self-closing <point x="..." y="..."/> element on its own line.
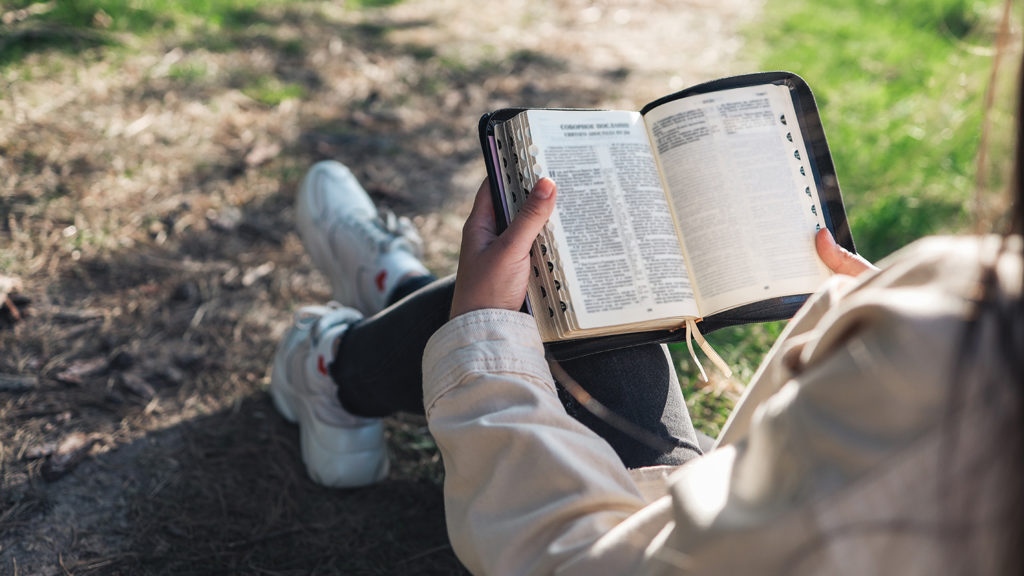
<point x="955" y="254"/>
<point x="912" y="312"/>
<point x="951" y="264"/>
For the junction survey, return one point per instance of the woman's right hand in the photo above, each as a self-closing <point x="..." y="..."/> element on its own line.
<point x="839" y="259"/>
<point x="493" y="268"/>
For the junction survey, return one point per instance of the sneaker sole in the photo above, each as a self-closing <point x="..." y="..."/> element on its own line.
<point x="359" y="459"/>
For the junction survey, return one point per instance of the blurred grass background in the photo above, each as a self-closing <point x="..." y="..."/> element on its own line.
<point x="143" y="17"/>
<point x="900" y="85"/>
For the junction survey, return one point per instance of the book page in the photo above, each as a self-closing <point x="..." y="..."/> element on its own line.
<point x="742" y="192"/>
<point x="618" y="247"/>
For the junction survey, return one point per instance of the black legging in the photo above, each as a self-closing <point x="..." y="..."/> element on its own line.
<point x="379" y="371"/>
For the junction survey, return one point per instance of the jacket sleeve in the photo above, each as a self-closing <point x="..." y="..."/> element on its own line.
<point x="526" y="486"/>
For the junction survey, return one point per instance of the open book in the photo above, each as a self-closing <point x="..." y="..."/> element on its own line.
<point x="702" y="206"/>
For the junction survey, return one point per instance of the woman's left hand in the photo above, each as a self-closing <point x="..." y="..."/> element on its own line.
<point x="493" y="268"/>
<point x="839" y="259"/>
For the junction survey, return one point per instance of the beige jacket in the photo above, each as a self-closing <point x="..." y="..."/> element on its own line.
<point x="855" y="451"/>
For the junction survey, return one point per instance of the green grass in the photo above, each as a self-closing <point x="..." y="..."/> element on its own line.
<point x="74" y="25"/>
<point x="372" y="3"/>
<point x="188" y="72"/>
<point x="146" y="16"/>
<point x="900" y="85"/>
<point x="742" y="348"/>
<point x="77" y="24"/>
<point x="270" y="91"/>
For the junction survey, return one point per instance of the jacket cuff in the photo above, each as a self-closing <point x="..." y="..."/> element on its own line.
<point x="490" y="341"/>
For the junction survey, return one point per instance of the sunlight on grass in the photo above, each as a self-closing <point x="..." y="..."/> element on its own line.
<point x="188" y="72"/>
<point x="900" y="87"/>
<point x="372" y="3"/>
<point x="270" y="91"/>
<point x="742" y="348"/>
<point x="66" y="25"/>
<point x="147" y="16"/>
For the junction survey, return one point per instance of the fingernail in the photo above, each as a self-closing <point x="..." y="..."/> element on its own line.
<point x="544" y="188"/>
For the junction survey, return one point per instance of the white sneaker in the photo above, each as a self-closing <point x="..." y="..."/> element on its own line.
<point x="363" y="253"/>
<point x="340" y="450"/>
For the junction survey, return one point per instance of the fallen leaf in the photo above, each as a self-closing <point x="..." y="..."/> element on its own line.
<point x="81" y="369"/>
<point x="252" y="275"/>
<point x="9" y="299"/>
<point x="69" y="454"/>
<point x="262" y="153"/>
<point x="137" y="385"/>
<point x="17" y="383"/>
<point x="40" y="450"/>
<point x="9" y="284"/>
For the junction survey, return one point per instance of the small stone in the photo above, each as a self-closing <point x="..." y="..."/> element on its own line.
<point x="122" y="360"/>
<point x="185" y="292"/>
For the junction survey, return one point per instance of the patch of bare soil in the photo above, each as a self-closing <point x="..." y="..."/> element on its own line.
<point x="150" y="263"/>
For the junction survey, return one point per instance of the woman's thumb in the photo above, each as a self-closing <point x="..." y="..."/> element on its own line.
<point x="532" y="216"/>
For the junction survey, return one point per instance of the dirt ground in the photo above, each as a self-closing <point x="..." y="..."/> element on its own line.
<point x="146" y="206"/>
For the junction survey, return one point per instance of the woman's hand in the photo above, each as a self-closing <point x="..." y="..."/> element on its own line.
<point x="493" y="269"/>
<point x="839" y="259"/>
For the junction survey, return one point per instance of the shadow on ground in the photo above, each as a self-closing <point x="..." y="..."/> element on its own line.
<point x="227" y="494"/>
<point x="147" y="206"/>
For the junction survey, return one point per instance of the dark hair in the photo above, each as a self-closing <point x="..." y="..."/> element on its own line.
<point x="1004" y="312"/>
<point x="1012" y="331"/>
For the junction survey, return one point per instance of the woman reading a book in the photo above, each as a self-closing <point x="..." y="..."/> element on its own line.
<point x="883" y="432"/>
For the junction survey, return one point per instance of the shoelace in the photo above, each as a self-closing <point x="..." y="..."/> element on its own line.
<point x="385" y="232"/>
<point x="312" y="314"/>
<point x="402" y="227"/>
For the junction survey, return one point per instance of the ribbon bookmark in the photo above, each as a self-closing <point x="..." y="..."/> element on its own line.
<point x="693" y="333"/>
